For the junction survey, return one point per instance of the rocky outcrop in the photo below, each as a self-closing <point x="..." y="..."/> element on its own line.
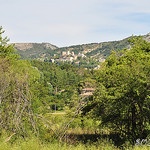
<point x="23" y="46"/>
<point x="49" y="46"/>
<point x="26" y="46"/>
<point x="147" y="37"/>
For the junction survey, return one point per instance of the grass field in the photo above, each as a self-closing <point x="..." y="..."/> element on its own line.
<point x="34" y="144"/>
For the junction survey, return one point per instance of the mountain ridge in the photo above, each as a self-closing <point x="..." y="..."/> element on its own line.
<point x="46" y="51"/>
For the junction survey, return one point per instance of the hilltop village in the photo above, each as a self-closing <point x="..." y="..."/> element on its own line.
<point x="67" y="56"/>
<point x="77" y="59"/>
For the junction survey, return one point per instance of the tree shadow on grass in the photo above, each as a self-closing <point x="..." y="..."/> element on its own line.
<point x="92" y="138"/>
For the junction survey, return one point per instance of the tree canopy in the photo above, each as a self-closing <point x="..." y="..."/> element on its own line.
<point x="122" y="100"/>
<point x="16" y="78"/>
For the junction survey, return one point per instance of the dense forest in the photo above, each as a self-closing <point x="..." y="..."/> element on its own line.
<point x="61" y="106"/>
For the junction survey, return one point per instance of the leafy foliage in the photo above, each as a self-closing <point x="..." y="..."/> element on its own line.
<point x="16" y="76"/>
<point x="57" y="84"/>
<point x="31" y="90"/>
<point x="6" y="50"/>
<point x="122" y="100"/>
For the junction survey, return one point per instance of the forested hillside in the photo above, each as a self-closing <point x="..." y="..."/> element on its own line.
<point x="46" y="50"/>
<point x="35" y="50"/>
<point x="97" y="50"/>
<point x="48" y="106"/>
<point x="85" y="55"/>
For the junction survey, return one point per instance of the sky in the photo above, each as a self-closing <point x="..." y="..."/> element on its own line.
<point x="72" y="22"/>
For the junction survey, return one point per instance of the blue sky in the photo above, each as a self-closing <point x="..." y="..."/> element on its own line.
<point x="71" y="22"/>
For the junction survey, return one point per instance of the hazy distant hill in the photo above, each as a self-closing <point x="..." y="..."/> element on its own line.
<point x="100" y="49"/>
<point x="43" y="50"/>
<point x="35" y="50"/>
<point x="92" y="50"/>
<point x="96" y="50"/>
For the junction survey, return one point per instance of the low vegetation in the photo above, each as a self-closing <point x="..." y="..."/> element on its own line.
<point x="43" y="105"/>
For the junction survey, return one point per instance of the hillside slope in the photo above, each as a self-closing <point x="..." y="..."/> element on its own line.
<point x="101" y="50"/>
<point x="35" y="50"/>
<point x="93" y="50"/>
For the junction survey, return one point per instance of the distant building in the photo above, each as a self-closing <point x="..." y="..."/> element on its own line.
<point x="96" y="68"/>
<point x="81" y="55"/>
<point x="75" y="57"/>
<point x="63" y="53"/>
<point x="68" y="53"/>
<point x="87" y="91"/>
<point x="52" y="60"/>
<point x="101" y="60"/>
<point x="71" y="59"/>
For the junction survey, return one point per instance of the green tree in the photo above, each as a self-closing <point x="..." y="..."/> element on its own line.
<point x="5" y="49"/>
<point x="16" y="78"/>
<point x="122" y="100"/>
